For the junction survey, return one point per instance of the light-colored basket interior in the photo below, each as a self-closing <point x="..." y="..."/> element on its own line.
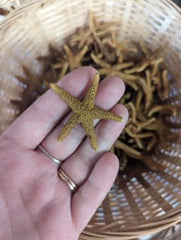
<point x="140" y="202"/>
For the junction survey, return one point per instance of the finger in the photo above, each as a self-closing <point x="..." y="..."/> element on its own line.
<point x="42" y="116"/>
<point x="79" y="165"/>
<point x="109" y="92"/>
<point x="90" y="195"/>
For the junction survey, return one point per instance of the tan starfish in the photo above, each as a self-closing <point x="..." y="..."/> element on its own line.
<point x="74" y="61"/>
<point x="87" y="35"/>
<point x="116" y="70"/>
<point x="84" y="111"/>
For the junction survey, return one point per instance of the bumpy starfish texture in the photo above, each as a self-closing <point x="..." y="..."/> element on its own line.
<point x="84" y="111"/>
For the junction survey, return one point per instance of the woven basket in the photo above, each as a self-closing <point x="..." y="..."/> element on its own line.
<point x="9" y="6"/>
<point x="141" y="201"/>
<point x="12" y="4"/>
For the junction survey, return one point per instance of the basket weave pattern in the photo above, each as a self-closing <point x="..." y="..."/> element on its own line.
<point x="140" y="202"/>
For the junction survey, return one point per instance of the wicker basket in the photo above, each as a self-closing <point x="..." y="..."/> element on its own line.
<point x="9" y="6"/>
<point x="141" y="201"/>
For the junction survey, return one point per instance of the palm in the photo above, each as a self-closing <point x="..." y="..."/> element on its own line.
<point x="45" y="202"/>
<point x="36" y="203"/>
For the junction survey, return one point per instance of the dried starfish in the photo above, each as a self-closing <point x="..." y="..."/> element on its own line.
<point x="116" y="70"/>
<point x="74" y="60"/>
<point x="84" y="111"/>
<point x="35" y="86"/>
<point x="86" y="36"/>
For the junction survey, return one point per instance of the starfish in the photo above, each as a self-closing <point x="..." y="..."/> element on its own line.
<point x="86" y="35"/>
<point x="84" y="111"/>
<point x="116" y="70"/>
<point x="74" y="61"/>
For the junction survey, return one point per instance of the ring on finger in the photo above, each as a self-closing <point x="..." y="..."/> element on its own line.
<point x="67" y="180"/>
<point x="55" y="160"/>
<point x="61" y="174"/>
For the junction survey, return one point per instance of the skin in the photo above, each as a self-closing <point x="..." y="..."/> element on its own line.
<point x="34" y="202"/>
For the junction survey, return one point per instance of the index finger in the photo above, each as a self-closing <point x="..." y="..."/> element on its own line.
<point x="31" y="127"/>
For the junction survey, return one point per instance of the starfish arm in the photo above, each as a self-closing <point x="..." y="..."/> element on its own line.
<point x="73" y="102"/>
<point x="90" y="96"/>
<point x="100" y="62"/>
<point x="123" y="66"/>
<point x="72" y="122"/>
<point x="68" y="52"/>
<point x="104" y="71"/>
<point x="89" y="128"/>
<point x="101" y="114"/>
<point x="92" y="21"/>
<point x="23" y="80"/>
<point x="75" y="61"/>
<point x="84" y="37"/>
<point x="81" y="54"/>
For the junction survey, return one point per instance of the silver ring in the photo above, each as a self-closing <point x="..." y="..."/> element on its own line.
<point x="55" y="160"/>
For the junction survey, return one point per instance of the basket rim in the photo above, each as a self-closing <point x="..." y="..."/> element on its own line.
<point x="20" y="9"/>
<point x="157" y="224"/>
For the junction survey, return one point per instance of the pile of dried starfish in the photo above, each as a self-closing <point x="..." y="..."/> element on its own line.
<point x="142" y="70"/>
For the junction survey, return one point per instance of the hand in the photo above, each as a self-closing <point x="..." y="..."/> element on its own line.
<point x="34" y="202"/>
